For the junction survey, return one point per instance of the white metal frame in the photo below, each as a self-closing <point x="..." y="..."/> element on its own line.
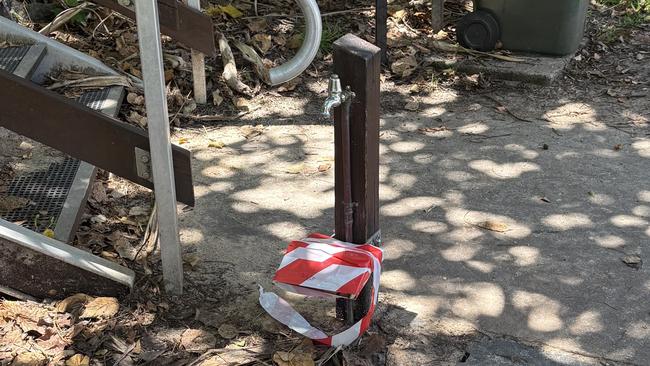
<point x="159" y="143"/>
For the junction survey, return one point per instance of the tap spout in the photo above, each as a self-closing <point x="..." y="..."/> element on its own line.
<point x="334" y="96"/>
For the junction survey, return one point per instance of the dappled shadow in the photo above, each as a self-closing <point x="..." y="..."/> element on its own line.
<point x="514" y="228"/>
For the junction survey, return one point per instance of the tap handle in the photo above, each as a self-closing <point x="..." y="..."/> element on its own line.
<point x="334" y="86"/>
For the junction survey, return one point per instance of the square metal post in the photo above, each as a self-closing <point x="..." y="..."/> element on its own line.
<point x="160" y="145"/>
<point x="358" y="64"/>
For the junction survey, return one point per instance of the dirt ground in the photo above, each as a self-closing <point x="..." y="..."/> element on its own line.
<point x="515" y="217"/>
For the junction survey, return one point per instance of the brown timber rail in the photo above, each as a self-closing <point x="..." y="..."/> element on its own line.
<point x="177" y="20"/>
<point x="54" y="120"/>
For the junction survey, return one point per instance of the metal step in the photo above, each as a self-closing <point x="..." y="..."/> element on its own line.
<point x="58" y="195"/>
<point x="107" y="101"/>
<point x="21" y="61"/>
<point x="33" y="264"/>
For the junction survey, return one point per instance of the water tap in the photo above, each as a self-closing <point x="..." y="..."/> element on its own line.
<point x="335" y="96"/>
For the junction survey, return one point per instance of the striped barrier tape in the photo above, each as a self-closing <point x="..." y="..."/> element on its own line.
<point x="322" y="266"/>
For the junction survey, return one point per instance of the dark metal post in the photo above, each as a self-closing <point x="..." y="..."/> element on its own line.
<point x="437" y="17"/>
<point x="381" y="28"/>
<point x="358" y="64"/>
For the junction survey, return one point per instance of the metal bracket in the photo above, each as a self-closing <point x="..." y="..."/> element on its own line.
<point x="143" y="164"/>
<point x="375" y="239"/>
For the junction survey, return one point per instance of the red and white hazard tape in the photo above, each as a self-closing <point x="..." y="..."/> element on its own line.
<point x="322" y="266"/>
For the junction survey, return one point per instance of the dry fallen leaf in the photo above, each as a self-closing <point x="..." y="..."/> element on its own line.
<point x="101" y="307"/>
<point x="49" y="233"/>
<point x="257" y="25"/>
<point x="262" y="42"/>
<point x="404" y="66"/>
<point x="295" y="41"/>
<point x="216" y="144"/>
<point x="33" y="358"/>
<point x="295" y="169"/>
<point x="71" y="302"/>
<point x="412" y="106"/>
<point x="192" y="260"/>
<point x="10" y="203"/>
<point x="197" y="340"/>
<point x="124" y="248"/>
<point x="228" y="331"/>
<point x="250" y="131"/>
<point x="242" y="104"/>
<point x="78" y="360"/>
<point x="293" y="359"/>
<point x="232" y="11"/>
<point x="633" y="261"/>
<point x="324" y="167"/>
<point x="491" y="225"/>
<point x="217" y="99"/>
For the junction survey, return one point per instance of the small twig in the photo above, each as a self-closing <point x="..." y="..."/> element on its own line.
<point x="150" y="233"/>
<point x="215" y="118"/>
<point x="328" y="355"/>
<point x="63" y="17"/>
<point x="480" y="138"/>
<point x="230" y="68"/>
<point x="102" y="23"/>
<point x="171" y="121"/>
<point x="507" y="109"/>
<point x="125" y="354"/>
<point x="357" y="10"/>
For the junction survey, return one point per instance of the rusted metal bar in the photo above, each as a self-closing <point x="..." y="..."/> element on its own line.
<point x="179" y="21"/>
<point x="358" y="64"/>
<point x="85" y="134"/>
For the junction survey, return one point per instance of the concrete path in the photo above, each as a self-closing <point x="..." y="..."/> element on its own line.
<point x="566" y="194"/>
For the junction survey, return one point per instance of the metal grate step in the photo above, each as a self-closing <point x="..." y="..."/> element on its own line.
<point x="58" y="195"/>
<point x="10" y="57"/>
<point x="21" y="61"/>
<point x="46" y="192"/>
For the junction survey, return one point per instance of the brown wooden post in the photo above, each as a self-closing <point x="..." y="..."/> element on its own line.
<point x="358" y="64"/>
<point x="381" y="28"/>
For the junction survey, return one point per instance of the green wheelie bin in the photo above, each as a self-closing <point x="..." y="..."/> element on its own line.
<point x="554" y="27"/>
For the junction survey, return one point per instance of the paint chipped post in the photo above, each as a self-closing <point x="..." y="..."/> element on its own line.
<point x="358" y="64"/>
<point x="198" y="66"/>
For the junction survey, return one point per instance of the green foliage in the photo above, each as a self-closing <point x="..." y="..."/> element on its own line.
<point x="631" y="14"/>
<point x="637" y="6"/>
<point x="331" y="32"/>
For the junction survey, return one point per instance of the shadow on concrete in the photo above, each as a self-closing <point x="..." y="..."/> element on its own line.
<point x="565" y="194"/>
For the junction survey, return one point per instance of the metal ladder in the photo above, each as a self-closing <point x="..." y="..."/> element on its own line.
<point x="85" y="129"/>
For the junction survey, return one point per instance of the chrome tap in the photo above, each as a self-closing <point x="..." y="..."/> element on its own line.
<point x="335" y="96"/>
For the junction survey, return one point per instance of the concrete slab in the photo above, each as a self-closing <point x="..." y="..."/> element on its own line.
<point x="533" y="69"/>
<point x="507" y="352"/>
<point x="567" y="193"/>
